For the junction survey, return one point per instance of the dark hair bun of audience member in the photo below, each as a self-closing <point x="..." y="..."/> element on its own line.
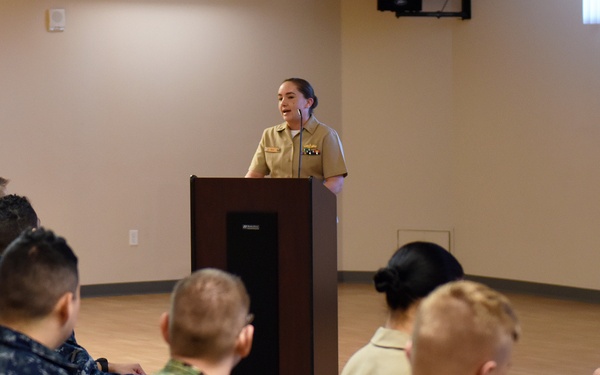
<point x="391" y="282"/>
<point x="414" y="271"/>
<point x="386" y="279"/>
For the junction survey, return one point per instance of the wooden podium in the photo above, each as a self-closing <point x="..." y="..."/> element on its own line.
<point x="280" y="237"/>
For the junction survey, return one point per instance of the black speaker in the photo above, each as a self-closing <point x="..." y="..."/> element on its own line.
<point x="252" y="248"/>
<point x="400" y="5"/>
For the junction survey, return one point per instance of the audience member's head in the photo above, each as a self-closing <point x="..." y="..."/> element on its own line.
<point x="414" y="271"/>
<point x="463" y="328"/>
<point x="39" y="287"/>
<point x="16" y="215"/>
<point x="3" y="183"/>
<point x="208" y="323"/>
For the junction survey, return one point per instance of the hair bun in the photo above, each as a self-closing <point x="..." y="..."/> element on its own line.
<point x="385" y="279"/>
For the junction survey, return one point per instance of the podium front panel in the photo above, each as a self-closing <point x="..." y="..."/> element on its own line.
<point x="252" y="254"/>
<point x="301" y="217"/>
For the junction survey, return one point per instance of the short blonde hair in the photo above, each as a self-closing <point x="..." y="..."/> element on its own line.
<point x="208" y="311"/>
<point x="460" y="326"/>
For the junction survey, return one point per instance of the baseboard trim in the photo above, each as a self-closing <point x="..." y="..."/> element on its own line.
<point x="364" y="277"/>
<point x="355" y="277"/>
<point x="125" y="289"/>
<point x="540" y="289"/>
<point x="503" y="285"/>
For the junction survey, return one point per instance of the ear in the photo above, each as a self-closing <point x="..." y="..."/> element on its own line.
<point x="309" y="102"/>
<point x="65" y="308"/>
<point x="487" y="368"/>
<point x="243" y="344"/>
<point x="164" y="326"/>
<point x="408" y="349"/>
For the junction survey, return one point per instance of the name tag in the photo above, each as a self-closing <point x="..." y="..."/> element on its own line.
<point x="272" y="149"/>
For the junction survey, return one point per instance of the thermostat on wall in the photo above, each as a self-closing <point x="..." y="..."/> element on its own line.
<point x="56" y="20"/>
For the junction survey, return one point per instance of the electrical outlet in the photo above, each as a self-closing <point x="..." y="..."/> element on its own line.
<point x="133" y="237"/>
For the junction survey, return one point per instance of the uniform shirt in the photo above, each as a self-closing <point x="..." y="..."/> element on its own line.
<point x="175" y="367"/>
<point x="75" y="353"/>
<point x="278" y="153"/>
<point x="21" y="355"/>
<point x="383" y="355"/>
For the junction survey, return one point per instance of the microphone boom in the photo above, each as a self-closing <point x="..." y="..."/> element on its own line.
<point x="301" y="150"/>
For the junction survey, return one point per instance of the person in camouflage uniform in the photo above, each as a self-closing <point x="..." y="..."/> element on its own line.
<point x="208" y="327"/>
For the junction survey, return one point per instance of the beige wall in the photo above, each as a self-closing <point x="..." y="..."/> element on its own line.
<point x="397" y="114"/>
<point x="527" y="128"/>
<point x="103" y="124"/>
<point x="486" y="128"/>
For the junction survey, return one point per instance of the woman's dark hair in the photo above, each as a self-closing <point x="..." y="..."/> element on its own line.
<point x="306" y="89"/>
<point x="414" y="271"/>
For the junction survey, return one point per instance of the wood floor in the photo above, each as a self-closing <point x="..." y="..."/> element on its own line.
<point x="559" y="337"/>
